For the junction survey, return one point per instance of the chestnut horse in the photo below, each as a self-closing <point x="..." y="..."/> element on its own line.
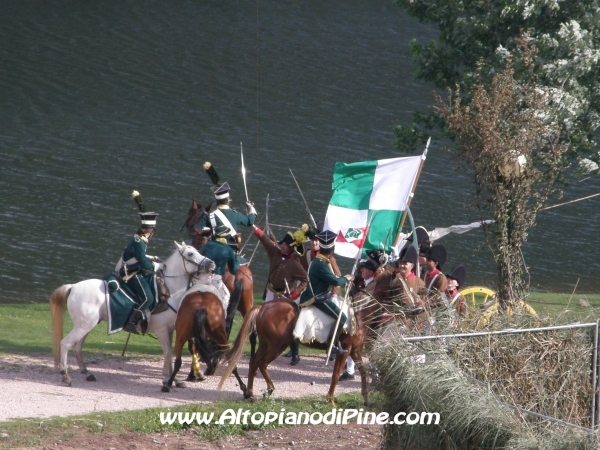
<point x="244" y="275"/>
<point x="274" y="323"/>
<point x="201" y="317"/>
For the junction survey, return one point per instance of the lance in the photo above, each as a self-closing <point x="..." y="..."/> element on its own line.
<point x="125" y="347"/>
<point x="305" y="204"/>
<point x="412" y="192"/>
<point x="244" y="171"/>
<point x="267" y="226"/>
<point x="343" y="305"/>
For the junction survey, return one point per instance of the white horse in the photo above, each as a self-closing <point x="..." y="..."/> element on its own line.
<point x="87" y="305"/>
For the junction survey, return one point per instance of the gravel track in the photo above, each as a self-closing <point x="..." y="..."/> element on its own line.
<point x="31" y="388"/>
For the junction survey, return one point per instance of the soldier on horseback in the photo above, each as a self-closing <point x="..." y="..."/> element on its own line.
<point x="321" y="281"/>
<point x="223" y="214"/>
<point x="137" y="269"/>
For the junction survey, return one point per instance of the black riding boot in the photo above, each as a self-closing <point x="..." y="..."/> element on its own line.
<point x="133" y="320"/>
<point x="337" y="345"/>
<point x="295" y="357"/>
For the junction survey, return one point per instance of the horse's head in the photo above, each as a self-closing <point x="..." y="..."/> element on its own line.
<point x="195" y="214"/>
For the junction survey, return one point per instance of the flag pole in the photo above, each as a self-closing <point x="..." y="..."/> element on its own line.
<point x="412" y="192"/>
<point x="343" y="305"/>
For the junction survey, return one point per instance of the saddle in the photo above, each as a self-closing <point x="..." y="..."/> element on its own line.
<point x="314" y="325"/>
<point x="121" y="302"/>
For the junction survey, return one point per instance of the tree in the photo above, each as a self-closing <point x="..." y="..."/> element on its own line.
<point x="507" y="134"/>
<point x="476" y="38"/>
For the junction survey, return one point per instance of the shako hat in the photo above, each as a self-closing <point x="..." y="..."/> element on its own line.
<point x="459" y="273"/>
<point x="409" y="254"/>
<point x="326" y="239"/>
<point x="221" y="191"/>
<point x="422" y="236"/>
<point x="148" y="218"/>
<point x="370" y="264"/>
<point x="437" y="253"/>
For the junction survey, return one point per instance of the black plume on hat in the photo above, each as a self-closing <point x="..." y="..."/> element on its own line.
<point x="437" y="253"/>
<point x="212" y="173"/>
<point x="459" y="273"/>
<point x="320" y="226"/>
<point x="139" y="201"/>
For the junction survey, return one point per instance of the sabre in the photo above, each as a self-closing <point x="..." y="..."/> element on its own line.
<point x="305" y="204"/>
<point x="244" y="171"/>
<point x="287" y="287"/>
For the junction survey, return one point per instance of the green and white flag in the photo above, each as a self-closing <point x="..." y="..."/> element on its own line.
<point x="376" y="190"/>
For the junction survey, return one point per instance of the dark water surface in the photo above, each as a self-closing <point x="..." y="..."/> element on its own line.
<point x="100" y="98"/>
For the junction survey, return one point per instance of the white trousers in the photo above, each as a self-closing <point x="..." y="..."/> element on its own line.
<point x="350" y="366"/>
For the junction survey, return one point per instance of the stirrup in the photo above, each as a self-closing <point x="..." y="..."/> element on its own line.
<point x="337" y="349"/>
<point x="130" y="328"/>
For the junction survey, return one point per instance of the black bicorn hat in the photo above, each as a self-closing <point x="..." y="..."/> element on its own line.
<point x="370" y="264"/>
<point x="378" y="256"/>
<point x="437" y="253"/>
<point x="459" y="273"/>
<point x="422" y="236"/>
<point x="409" y="254"/>
<point x="326" y="239"/>
<point x="148" y="218"/>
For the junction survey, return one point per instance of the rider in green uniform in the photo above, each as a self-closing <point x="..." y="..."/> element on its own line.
<point x="322" y="280"/>
<point x="224" y="215"/>
<point x="220" y="253"/>
<point x="138" y="271"/>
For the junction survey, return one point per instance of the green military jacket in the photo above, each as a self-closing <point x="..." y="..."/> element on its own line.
<point x="321" y="277"/>
<point x="222" y="255"/>
<point x="235" y="218"/>
<point x="135" y="255"/>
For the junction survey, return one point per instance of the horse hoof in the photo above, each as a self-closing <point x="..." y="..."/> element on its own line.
<point x="180" y="384"/>
<point x="67" y="381"/>
<point x="249" y="397"/>
<point x="191" y="378"/>
<point x="164" y="389"/>
<point x="91" y="377"/>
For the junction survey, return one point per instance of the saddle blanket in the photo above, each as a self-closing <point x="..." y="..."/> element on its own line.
<point x="121" y="303"/>
<point x="213" y="290"/>
<point x="314" y="325"/>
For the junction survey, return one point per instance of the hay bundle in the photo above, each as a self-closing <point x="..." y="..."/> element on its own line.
<point x="469" y="416"/>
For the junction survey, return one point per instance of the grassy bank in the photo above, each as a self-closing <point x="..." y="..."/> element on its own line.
<point x="29" y="432"/>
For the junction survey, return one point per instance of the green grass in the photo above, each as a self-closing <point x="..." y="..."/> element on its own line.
<point x="26" y="329"/>
<point x="29" y="432"/>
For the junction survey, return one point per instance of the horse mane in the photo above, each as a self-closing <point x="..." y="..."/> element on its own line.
<point x="195" y="214"/>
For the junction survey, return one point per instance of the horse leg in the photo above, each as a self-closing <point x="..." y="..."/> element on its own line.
<point x="252" y="344"/>
<point x="253" y="368"/>
<point x="178" y="346"/>
<point x="357" y="357"/>
<point x="340" y="361"/>
<point x="195" y="373"/>
<point x="77" y="333"/>
<point x="82" y="367"/>
<point x="166" y="342"/>
<point x="240" y="381"/>
<point x="270" y="355"/>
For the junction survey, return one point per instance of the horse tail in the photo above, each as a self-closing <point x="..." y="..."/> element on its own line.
<point x="58" y="301"/>
<point x="201" y="341"/>
<point x="234" y="301"/>
<point x="234" y="355"/>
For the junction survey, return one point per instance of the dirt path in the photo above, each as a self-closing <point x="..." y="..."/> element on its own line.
<point x="32" y="389"/>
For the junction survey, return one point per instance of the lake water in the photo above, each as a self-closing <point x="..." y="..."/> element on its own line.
<point x="101" y="98"/>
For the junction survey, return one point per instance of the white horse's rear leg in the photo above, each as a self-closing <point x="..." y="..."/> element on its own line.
<point x="82" y="367"/>
<point x="75" y="336"/>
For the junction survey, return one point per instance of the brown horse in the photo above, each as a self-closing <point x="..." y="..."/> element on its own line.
<point x="274" y="323"/>
<point x="201" y="317"/>
<point x="244" y="275"/>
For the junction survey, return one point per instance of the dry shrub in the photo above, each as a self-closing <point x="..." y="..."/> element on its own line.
<point x="548" y="373"/>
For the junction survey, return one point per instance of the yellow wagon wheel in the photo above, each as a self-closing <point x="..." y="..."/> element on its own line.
<point x="475" y="296"/>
